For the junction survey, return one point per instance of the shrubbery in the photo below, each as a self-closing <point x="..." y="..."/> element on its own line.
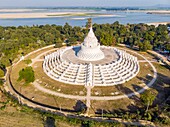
<point x="1" y="82"/>
<point x="1" y="73"/>
<point x="27" y="74"/>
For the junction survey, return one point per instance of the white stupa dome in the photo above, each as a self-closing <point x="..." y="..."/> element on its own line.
<point x="90" y="48"/>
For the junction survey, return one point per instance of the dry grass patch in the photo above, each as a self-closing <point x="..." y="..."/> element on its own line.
<point x="32" y="93"/>
<point x="49" y="83"/>
<point x="38" y="53"/>
<point x="19" y="119"/>
<point x="110" y="106"/>
<point x="15" y="72"/>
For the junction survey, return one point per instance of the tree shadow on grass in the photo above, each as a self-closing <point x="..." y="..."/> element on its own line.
<point x="100" y="111"/>
<point x="80" y="106"/>
<point x="136" y="87"/>
<point x="123" y="89"/>
<point x="162" y="85"/>
<point x="49" y="122"/>
<point x="146" y="79"/>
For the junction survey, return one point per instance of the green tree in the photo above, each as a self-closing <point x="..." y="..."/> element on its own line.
<point x="58" y="43"/>
<point x="107" y="39"/>
<point x="147" y="98"/>
<point x="1" y="82"/>
<point x="49" y="38"/>
<point x="27" y="74"/>
<point x="147" y="45"/>
<point x="167" y="46"/>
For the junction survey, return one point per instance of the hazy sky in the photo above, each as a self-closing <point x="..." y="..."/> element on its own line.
<point x="39" y="3"/>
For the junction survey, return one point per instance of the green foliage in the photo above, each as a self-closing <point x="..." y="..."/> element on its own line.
<point x="27" y="74"/>
<point x="144" y="46"/>
<point x="148" y="97"/>
<point x="107" y="39"/>
<point x="3" y="107"/>
<point x="28" y="61"/>
<point x="26" y="109"/>
<point x="14" y="40"/>
<point x="167" y="46"/>
<point x="1" y="73"/>
<point x="1" y="82"/>
<point x="148" y="116"/>
<point x="88" y="123"/>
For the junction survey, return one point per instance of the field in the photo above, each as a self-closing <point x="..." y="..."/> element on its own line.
<point x="13" y="114"/>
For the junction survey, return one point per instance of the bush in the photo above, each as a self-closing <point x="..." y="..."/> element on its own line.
<point x="28" y="61"/>
<point x="1" y="82"/>
<point x="3" y="107"/>
<point x="2" y="73"/>
<point x="27" y="74"/>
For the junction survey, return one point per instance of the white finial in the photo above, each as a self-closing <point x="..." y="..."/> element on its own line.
<point x="90" y="40"/>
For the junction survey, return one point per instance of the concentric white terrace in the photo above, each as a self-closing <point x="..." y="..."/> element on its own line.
<point x="90" y="64"/>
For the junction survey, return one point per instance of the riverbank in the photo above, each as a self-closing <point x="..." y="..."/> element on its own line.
<point x="158" y="23"/>
<point x="36" y="15"/>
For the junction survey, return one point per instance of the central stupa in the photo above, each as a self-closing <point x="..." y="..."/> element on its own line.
<point x="90" y="48"/>
<point x="90" y="64"/>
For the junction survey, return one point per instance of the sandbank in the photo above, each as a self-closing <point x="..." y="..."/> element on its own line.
<point x="51" y="14"/>
<point x="19" y="10"/>
<point x="36" y="15"/>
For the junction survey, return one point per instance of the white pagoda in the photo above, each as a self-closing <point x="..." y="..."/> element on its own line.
<point x="90" y="48"/>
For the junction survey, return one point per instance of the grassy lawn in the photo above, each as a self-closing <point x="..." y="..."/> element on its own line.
<point x="113" y="106"/>
<point x="15" y="72"/>
<point x="15" y="115"/>
<point x="38" y="53"/>
<point x="162" y="83"/>
<point x="55" y="85"/>
<point x="29" y="91"/>
<point x="20" y="119"/>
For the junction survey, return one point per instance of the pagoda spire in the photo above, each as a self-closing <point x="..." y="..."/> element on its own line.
<point x="89" y="23"/>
